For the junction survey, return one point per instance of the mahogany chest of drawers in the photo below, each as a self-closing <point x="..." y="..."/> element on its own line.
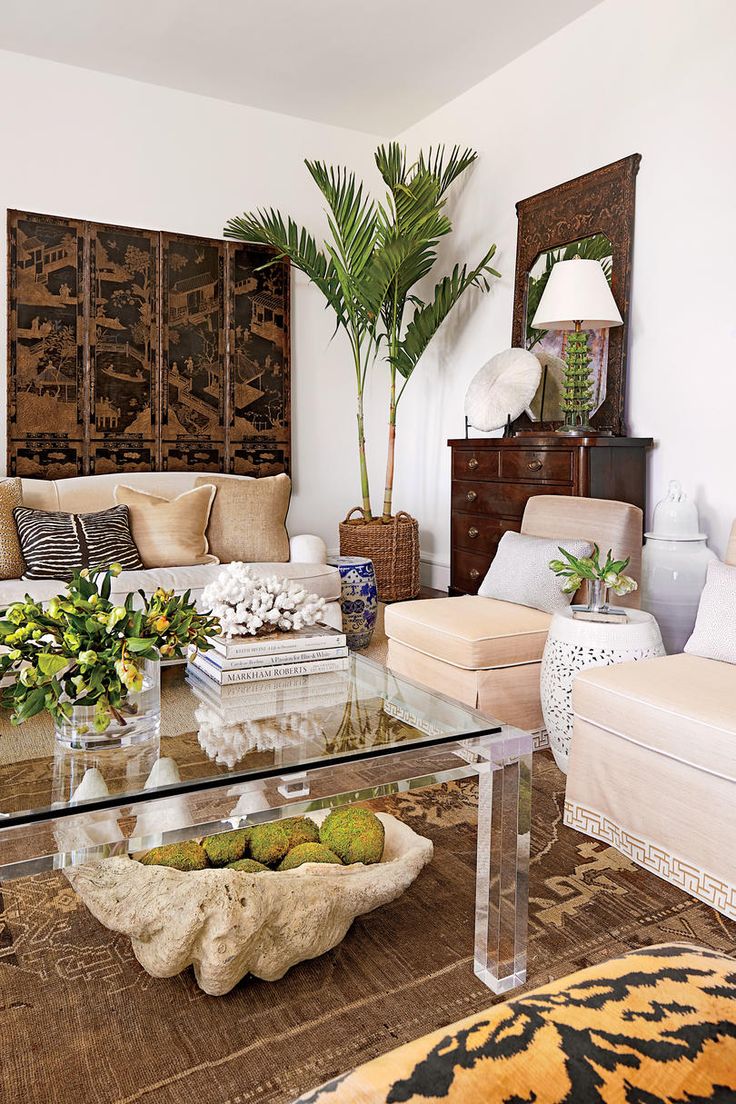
<point x="492" y="479"/>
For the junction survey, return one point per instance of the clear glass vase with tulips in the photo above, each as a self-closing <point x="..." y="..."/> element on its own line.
<point x="93" y="663"/>
<point x="601" y="576"/>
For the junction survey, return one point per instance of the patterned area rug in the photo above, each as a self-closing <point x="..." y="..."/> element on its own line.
<point x="81" y="1023"/>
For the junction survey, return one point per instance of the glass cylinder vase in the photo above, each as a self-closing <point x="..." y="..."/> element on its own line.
<point x="138" y="718"/>
<point x="597" y="596"/>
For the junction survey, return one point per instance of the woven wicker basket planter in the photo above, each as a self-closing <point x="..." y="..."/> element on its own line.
<point x="392" y="545"/>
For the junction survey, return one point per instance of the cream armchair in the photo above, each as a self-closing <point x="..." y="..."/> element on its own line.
<point x="653" y="767"/>
<point x="487" y="653"/>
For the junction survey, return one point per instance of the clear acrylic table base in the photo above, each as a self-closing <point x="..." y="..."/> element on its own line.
<point x="501" y="762"/>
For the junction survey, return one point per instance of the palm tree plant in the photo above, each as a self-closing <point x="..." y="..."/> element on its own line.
<point x="370" y="267"/>
<point x="411" y="222"/>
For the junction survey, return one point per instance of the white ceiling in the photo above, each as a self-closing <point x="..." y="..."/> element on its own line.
<point x="373" y="65"/>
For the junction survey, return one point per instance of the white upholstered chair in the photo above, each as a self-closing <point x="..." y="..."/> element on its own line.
<point x="487" y="653"/>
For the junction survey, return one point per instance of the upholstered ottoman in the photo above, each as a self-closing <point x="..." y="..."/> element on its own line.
<point x="652" y="769"/>
<point x="483" y="652"/>
<point x="654" y="1025"/>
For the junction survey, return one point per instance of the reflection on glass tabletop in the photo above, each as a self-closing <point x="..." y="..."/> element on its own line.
<point x="213" y="736"/>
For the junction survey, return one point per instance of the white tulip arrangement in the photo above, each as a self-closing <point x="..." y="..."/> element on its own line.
<point x="248" y="605"/>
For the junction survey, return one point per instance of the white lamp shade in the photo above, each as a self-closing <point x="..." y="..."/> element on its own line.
<point x="577" y="291"/>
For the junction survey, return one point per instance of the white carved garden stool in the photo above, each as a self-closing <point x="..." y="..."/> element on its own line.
<point x="572" y="646"/>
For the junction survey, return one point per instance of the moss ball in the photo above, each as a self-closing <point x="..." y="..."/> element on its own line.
<point x="250" y="866"/>
<point x="268" y="843"/>
<point x="354" y="834"/>
<point x="181" y="856"/>
<point x="300" y="830"/>
<point x="227" y="847"/>
<point x="308" y="853"/>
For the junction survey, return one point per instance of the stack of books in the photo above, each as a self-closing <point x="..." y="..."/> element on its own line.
<point x="248" y="659"/>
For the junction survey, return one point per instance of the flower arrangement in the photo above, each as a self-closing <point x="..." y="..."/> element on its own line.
<point x="247" y="605"/>
<point x="611" y="573"/>
<point x="81" y="649"/>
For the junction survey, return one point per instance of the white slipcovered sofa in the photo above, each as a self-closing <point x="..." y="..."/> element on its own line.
<point x="86" y="494"/>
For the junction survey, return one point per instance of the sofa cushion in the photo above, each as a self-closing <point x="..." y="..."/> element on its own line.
<point x="11" y="557"/>
<point x="55" y="544"/>
<point x="318" y="579"/>
<point x="681" y="706"/>
<point x="469" y="631"/>
<point x="653" y="1025"/>
<point x="248" y="518"/>
<point x="15" y="590"/>
<point x="169" y="532"/>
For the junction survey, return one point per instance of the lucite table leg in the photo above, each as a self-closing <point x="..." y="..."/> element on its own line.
<point x="502" y="870"/>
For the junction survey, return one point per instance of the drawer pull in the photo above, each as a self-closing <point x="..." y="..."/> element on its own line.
<point x="471" y="496"/>
<point x="473" y="463"/>
<point x="474" y="573"/>
<point x="535" y="465"/>
<point x="472" y="532"/>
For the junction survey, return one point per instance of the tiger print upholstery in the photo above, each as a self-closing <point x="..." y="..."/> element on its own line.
<point x="654" y="1025"/>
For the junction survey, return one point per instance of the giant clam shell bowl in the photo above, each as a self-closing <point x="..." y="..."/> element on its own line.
<point x="229" y="923"/>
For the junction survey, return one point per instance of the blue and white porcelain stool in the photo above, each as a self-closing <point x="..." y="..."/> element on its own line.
<point x="359" y="601"/>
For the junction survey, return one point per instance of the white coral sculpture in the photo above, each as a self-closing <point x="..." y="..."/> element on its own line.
<point x="248" y="605"/>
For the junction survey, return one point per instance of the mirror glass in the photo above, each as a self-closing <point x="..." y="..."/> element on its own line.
<point x="549" y="345"/>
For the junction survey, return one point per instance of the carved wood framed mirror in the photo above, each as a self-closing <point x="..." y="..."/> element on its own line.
<point x="591" y="216"/>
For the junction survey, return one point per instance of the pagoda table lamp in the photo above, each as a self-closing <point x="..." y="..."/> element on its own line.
<point x="577" y="298"/>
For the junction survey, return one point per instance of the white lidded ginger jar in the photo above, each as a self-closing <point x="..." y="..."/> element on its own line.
<point x="674" y="566"/>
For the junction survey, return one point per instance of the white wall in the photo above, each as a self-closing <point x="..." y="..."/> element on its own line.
<point x="649" y="76"/>
<point x="89" y="145"/>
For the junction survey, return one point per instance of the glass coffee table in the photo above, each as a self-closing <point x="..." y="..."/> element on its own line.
<point x="249" y="754"/>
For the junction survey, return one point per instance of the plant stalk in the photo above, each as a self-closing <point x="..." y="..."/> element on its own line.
<point x="389" y="487"/>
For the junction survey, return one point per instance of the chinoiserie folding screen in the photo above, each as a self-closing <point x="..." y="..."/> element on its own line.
<point x="134" y="350"/>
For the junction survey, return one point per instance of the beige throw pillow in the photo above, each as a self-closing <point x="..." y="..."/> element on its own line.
<point x="169" y="532"/>
<point x="248" y="519"/>
<point x="11" y="557"/>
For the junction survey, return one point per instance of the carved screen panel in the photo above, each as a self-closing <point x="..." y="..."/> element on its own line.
<point x="46" y="311"/>
<point x="259" y="367"/>
<point x="134" y="350"/>
<point x="194" y="387"/>
<point x="123" y="340"/>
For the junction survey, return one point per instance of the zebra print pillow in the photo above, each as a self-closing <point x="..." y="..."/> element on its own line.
<point x="55" y="545"/>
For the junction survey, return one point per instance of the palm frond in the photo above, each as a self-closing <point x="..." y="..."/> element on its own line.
<point x="427" y="320"/>
<point x="351" y="214"/>
<point x="391" y="164"/>
<point x="434" y="162"/>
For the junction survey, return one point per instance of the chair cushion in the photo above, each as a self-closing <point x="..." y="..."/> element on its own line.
<point x="469" y="631"/>
<point x="680" y="705"/>
<point x="248" y="518"/>
<point x="652" y="1025"/>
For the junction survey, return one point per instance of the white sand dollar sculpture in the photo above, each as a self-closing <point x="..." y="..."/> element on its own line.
<point x="228" y="923"/>
<point x="502" y="387"/>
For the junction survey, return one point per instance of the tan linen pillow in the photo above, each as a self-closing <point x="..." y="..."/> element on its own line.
<point x="248" y="519"/>
<point x="11" y="557"/>
<point x="169" y="532"/>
